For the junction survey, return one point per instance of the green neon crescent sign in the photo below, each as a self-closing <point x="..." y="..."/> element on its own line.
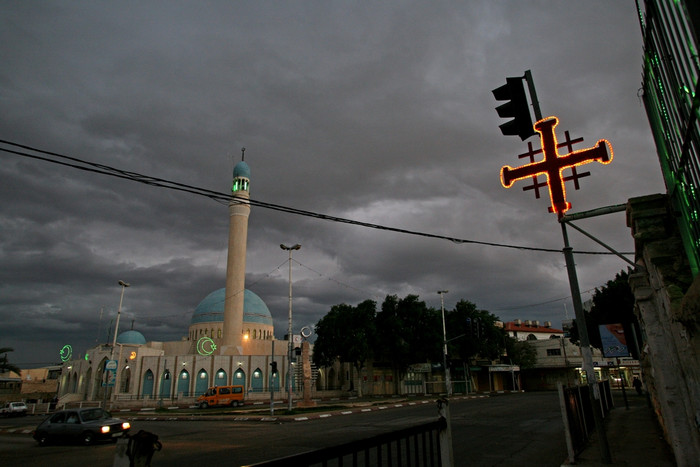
<point x="66" y="353"/>
<point x="205" y="346"/>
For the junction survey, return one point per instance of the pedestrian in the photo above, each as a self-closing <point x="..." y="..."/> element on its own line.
<point x="637" y="384"/>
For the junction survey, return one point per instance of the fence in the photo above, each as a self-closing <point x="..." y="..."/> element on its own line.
<point x="418" y="445"/>
<point x="577" y="412"/>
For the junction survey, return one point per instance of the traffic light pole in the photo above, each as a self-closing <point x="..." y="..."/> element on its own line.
<point x="593" y="390"/>
<point x="533" y="95"/>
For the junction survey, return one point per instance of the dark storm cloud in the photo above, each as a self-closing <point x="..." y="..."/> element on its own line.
<point x="380" y="112"/>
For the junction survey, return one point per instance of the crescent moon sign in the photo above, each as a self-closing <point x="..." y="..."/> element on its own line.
<point x="205" y="346"/>
<point x="66" y="353"/>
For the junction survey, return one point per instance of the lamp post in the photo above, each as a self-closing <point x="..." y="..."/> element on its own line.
<point x="114" y="341"/>
<point x="448" y="385"/>
<point x="289" y="333"/>
<point x="119" y="312"/>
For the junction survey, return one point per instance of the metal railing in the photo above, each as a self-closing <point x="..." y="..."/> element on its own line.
<point x="577" y="412"/>
<point x="415" y="446"/>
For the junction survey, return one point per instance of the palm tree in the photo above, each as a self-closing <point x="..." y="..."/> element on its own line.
<point x="6" y="366"/>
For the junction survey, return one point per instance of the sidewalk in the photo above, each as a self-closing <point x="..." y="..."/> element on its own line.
<point x="634" y="436"/>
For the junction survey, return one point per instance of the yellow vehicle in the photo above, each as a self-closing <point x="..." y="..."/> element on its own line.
<point x="221" y="395"/>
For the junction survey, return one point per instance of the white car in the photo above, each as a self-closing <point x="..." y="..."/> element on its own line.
<point x="14" y="409"/>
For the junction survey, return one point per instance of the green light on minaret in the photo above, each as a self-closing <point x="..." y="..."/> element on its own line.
<point x="241" y="175"/>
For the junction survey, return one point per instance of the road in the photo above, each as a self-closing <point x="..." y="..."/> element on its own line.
<point x="517" y="429"/>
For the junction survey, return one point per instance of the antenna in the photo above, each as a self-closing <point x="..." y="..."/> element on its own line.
<point x="243" y="154"/>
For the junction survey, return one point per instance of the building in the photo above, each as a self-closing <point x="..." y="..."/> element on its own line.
<point x="531" y="330"/>
<point x="230" y="340"/>
<point x="666" y="227"/>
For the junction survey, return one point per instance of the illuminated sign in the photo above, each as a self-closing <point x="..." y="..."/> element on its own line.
<point x="66" y="353"/>
<point x="554" y="164"/>
<point x="205" y="346"/>
<point x="132" y="355"/>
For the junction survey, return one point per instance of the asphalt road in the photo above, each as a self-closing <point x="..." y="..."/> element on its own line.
<point x="517" y="429"/>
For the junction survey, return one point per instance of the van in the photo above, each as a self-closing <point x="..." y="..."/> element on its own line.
<point x="221" y="395"/>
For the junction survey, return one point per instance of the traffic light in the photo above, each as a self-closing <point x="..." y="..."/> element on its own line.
<point x="274" y="367"/>
<point x="516" y="108"/>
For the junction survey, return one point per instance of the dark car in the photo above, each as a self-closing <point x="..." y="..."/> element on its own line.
<point x="86" y="425"/>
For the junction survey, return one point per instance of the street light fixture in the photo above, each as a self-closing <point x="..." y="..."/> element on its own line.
<point x="448" y="385"/>
<point x="289" y="333"/>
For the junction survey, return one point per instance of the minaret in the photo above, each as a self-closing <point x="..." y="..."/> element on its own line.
<point x="239" y="210"/>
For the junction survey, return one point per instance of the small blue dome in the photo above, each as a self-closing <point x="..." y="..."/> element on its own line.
<point x="241" y="170"/>
<point x="211" y="309"/>
<point x="131" y="337"/>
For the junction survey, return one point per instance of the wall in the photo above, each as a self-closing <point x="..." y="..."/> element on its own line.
<point x="668" y="309"/>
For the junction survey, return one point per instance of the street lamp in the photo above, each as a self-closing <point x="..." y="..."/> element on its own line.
<point x="289" y="333"/>
<point x="448" y="385"/>
<point x="119" y="312"/>
<point x="114" y="343"/>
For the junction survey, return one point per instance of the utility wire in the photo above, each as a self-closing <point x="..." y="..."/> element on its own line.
<point x="220" y="197"/>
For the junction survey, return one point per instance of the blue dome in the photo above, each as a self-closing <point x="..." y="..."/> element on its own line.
<point x="211" y="309"/>
<point x="131" y="337"/>
<point x="241" y="170"/>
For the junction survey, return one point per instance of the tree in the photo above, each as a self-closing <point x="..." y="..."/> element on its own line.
<point x="473" y="332"/>
<point x="346" y="333"/>
<point x="408" y="332"/>
<point x="521" y="353"/>
<point x="612" y="303"/>
<point x="5" y="365"/>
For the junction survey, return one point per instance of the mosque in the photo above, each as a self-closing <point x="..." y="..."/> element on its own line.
<point x="230" y="341"/>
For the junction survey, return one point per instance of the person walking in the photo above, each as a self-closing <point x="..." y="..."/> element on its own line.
<point x="637" y="384"/>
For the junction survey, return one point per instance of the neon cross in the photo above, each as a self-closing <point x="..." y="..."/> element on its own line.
<point x="553" y="164"/>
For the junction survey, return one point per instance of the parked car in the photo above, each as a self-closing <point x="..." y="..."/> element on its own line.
<point x="221" y="395"/>
<point x="86" y="425"/>
<point x="14" y="409"/>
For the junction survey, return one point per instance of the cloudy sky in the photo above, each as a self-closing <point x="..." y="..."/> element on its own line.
<point x="378" y="112"/>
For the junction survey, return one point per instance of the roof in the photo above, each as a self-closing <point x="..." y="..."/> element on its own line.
<point x="131" y="337"/>
<point x="241" y="170"/>
<point x="211" y="309"/>
<point x="522" y="327"/>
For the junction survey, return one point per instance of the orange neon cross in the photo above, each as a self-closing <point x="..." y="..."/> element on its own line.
<point x="554" y="164"/>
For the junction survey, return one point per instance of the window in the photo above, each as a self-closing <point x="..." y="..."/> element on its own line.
<point x="531" y="337"/>
<point x="553" y="352"/>
<point x="224" y="390"/>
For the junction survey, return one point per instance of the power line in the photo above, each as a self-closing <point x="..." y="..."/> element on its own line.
<point x="102" y="169"/>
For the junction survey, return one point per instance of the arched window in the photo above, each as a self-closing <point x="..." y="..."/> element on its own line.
<point x="218" y="334"/>
<point x="239" y="377"/>
<point x="147" y="388"/>
<point x="183" y="383"/>
<point x="125" y="380"/>
<point x="256" y="384"/>
<point x="220" y="378"/>
<point x="202" y="383"/>
<point x="165" y="384"/>
<point x="531" y="337"/>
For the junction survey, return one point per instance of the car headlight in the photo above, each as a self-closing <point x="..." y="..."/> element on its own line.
<point x="126" y="425"/>
<point x="105" y="429"/>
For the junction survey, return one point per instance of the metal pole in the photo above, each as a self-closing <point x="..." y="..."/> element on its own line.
<point x="289" y="333"/>
<point x="114" y="343"/>
<point x="289" y="337"/>
<point x="585" y="348"/>
<point x="272" y="379"/>
<point x="448" y="383"/>
<point x="533" y="95"/>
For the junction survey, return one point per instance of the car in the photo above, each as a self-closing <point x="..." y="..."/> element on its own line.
<point x="85" y="425"/>
<point x="14" y="409"/>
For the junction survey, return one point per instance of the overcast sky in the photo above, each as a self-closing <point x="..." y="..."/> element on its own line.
<point x="379" y="112"/>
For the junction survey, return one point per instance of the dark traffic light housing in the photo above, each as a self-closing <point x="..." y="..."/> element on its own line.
<point x="516" y="108"/>
<point x="273" y="365"/>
